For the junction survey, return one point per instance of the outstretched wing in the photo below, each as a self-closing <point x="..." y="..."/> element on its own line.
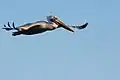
<point x="33" y="24"/>
<point x="10" y="27"/>
<point x="80" y="26"/>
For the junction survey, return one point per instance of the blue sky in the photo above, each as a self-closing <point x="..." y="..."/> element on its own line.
<point x="89" y="54"/>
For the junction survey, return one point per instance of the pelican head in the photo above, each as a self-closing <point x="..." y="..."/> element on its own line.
<point x="58" y="22"/>
<point x="51" y="18"/>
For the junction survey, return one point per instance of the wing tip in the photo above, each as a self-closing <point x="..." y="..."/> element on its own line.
<point x="85" y="25"/>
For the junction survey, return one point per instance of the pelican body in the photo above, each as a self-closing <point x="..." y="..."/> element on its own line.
<point x="35" y="28"/>
<point x="52" y="23"/>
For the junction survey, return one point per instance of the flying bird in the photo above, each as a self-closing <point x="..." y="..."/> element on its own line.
<point x="52" y="23"/>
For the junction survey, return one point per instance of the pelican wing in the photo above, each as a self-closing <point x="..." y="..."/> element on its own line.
<point x="80" y="26"/>
<point x="31" y="25"/>
<point x="9" y="27"/>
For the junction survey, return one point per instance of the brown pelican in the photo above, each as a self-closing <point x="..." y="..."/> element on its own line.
<point x="52" y="23"/>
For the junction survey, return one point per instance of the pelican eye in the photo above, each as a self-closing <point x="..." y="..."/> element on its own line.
<point x="52" y="20"/>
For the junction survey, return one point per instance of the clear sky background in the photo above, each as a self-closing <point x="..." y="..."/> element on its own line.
<point x="89" y="54"/>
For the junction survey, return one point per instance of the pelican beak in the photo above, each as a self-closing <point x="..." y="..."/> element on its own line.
<point x="59" y="22"/>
